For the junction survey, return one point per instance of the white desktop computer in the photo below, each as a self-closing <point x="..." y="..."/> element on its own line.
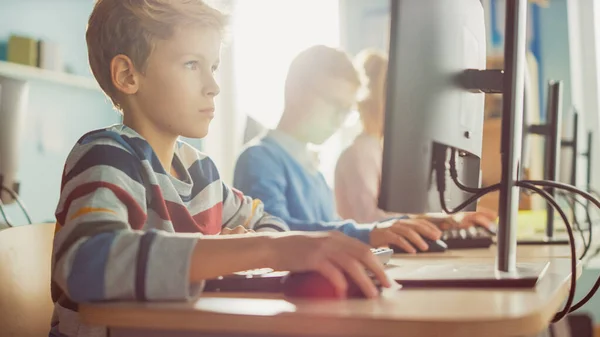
<point x="435" y="106"/>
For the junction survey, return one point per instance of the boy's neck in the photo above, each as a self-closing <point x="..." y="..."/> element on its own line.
<point x="292" y="127"/>
<point x="161" y="142"/>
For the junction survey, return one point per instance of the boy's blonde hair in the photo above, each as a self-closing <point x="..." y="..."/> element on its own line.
<point x="372" y="66"/>
<point x="131" y="27"/>
<point x="316" y="63"/>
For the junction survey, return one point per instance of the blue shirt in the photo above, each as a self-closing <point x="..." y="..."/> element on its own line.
<point x="289" y="188"/>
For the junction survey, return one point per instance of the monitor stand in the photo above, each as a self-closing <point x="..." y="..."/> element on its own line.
<point x="506" y="271"/>
<point x="551" y="131"/>
<point x="472" y="275"/>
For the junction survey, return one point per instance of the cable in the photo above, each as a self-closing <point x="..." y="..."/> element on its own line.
<point x="552" y="201"/>
<point x="439" y="164"/>
<point x="574" y="200"/>
<point x="441" y="185"/>
<point x="454" y="176"/>
<point x="467" y="202"/>
<point x="15" y="196"/>
<point x="4" y="216"/>
<point x="565" y="187"/>
<point x="529" y="185"/>
<point x="587" y="297"/>
<point x="593" y="200"/>
<point x="591" y="223"/>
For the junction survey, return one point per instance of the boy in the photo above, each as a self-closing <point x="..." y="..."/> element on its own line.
<point x="320" y="90"/>
<point x="138" y="209"/>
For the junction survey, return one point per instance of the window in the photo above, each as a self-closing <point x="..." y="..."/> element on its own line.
<point x="268" y="34"/>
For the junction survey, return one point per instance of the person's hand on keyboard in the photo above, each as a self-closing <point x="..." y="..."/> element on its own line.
<point x="483" y="218"/>
<point x="405" y="234"/>
<point x="332" y="254"/>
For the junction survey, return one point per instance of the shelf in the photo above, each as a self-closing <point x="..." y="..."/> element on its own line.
<point x="27" y="73"/>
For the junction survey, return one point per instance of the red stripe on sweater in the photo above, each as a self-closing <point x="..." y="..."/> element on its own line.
<point x="136" y="215"/>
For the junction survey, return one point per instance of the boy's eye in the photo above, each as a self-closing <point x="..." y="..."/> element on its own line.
<point x="192" y="65"/>
<point x="214" y="69"/>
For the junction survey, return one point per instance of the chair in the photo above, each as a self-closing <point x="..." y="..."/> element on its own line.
<point x="25" y="303"/>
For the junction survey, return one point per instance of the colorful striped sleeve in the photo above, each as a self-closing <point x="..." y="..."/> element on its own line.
<point x="100" y="251"/>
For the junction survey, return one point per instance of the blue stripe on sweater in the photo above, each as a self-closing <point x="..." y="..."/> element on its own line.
<point x="203" y="173"/>
<point x="108" y="155"/>
<point x="144" y="151"/>
<point x="105" y="134"/>
<point x="85" y="282"/>
<point x="142" y="265"/>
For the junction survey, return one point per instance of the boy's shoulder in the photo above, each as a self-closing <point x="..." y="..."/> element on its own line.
<point x="117" y="133"/>
<point x="262" y="155"/>
<point x="261" y="147"/>
<point x="112" y="146"/>
<point x="115" y="138"/>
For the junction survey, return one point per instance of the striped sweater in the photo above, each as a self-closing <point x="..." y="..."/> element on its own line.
<point x="127" y="229"/>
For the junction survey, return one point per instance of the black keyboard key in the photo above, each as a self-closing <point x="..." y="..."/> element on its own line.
<point x="470" y="238"/>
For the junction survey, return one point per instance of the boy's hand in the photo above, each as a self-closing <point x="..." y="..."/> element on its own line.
<point x="405" y="234"/>
<point x="483" y="217"/>
<point x="332" y="254"/>
<point x="236" y="230"/>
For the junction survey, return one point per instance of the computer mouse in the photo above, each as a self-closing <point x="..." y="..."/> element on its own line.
<point x="316" y="286"/>
<point x="435" y="246"/>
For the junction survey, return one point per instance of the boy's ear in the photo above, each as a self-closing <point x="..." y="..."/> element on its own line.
<point x="123" y="74"/>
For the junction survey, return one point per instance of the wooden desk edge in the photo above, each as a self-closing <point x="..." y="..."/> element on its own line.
<point x="185" y="320"/>
<point x="180" y="318"/>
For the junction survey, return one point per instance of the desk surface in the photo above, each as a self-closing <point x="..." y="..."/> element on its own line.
<point x="430" y="312"/>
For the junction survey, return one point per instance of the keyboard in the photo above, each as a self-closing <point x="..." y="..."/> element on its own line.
<point x="383" y="254"/>
<point x="468" y="238"/>
<point x="266" y="279"/>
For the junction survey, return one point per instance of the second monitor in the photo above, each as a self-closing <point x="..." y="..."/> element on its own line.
<point x="432" y="43"/>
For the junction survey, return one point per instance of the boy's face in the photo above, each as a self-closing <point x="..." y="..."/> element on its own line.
<point x="327" y="107"/>
<point x="176" y="92"/>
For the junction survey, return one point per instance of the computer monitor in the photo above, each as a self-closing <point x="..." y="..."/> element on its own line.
<point x="435" y="104"/>
<point x="432" y="42"/>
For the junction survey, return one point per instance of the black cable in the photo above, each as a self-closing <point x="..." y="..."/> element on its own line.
<point x="593" y="200"/>
<point x="594" y="254"/>
<point x="15" y="196"/>
<point x="441" y="184"/>
<point x="587" y="244"/>
<point x="587" y="297"/>
<point x="565" y="187"/>
<point x="555" y="205"/>
<point x="530" y="185"/>
<point x="467" y="202"/>
<point x="454" y="176"/>
<point x="590" y="224"/>
<point x="4" y="216"/>
<point x="440" y="168"/>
